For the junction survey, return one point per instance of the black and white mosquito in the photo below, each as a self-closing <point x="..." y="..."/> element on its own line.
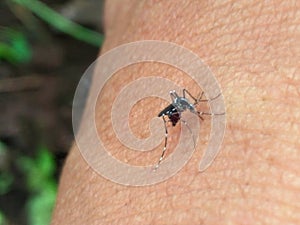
<point x="176" y="108"/>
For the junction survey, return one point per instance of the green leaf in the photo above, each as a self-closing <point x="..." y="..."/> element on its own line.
<point x="40" y="207"/>
<point x="61" y="23"/>
<point x="3" y="148"/>
<point x="6" y="177"/>
<point x="13" y="46"/>
<point x="38" y="171"/>
<point x="2" y="219"/>
<point x="39" y="174"/>
<point x="6" y="180"/>
<point x="45" y="162"/>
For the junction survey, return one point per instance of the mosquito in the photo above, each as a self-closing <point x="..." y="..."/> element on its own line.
<point x="176" y="108"/>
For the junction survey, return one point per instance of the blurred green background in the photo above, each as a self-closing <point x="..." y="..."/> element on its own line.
<point x="45" y="47"/>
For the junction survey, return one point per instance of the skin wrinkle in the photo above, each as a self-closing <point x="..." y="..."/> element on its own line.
<point x="245" y="180"/>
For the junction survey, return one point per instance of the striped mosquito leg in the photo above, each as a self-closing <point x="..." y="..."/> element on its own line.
<point x="210" y="114"/>
<point x="165" y="145"/>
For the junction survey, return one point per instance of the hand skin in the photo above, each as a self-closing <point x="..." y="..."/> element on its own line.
<point x="253" y="49"/>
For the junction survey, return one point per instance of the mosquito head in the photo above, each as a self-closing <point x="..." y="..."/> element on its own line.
<point x="174" y="95"/>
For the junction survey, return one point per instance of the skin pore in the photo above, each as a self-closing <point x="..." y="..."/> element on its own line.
<point x="253" y="49"/>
